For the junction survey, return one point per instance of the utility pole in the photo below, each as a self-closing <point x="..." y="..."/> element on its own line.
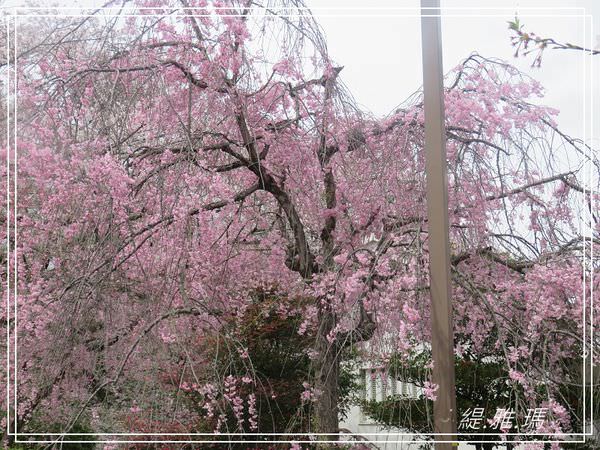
<point x="442" y="335"/>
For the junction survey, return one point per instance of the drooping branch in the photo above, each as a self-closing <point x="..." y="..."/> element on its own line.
<point x="522" y="40"/>
<point x="220" y="204"/>
<point x="149" y="67"/>
<point x="488" y="252"/>
<point x="518" y="190"/>
<point x="302" y="261"/>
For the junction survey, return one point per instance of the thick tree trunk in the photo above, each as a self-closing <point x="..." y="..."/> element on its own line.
<point x="327" y="371"/>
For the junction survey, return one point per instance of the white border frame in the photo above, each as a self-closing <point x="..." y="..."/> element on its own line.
<point x="13" y="15"/>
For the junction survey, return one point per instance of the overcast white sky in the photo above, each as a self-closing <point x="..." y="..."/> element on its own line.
<point x="381" y="51"/>
<point x="379" y="45"/>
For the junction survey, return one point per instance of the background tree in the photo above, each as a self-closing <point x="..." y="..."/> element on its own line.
<point x="526" y="42"/>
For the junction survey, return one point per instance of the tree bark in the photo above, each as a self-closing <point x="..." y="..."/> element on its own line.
<point x="327" y="370"/>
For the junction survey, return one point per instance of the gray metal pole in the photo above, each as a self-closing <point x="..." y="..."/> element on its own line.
<point x="442" y="336"/>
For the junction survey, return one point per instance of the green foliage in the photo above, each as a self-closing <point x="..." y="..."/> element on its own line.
<point x="480" y="383"/>
<point x="264" y="343"/>
<point x="515" y="25"/>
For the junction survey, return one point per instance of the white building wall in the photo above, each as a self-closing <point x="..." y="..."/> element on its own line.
<point x="376" y="388"/>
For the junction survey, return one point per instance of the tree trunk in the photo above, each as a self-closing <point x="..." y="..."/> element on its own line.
<point x="327" y="370"/>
